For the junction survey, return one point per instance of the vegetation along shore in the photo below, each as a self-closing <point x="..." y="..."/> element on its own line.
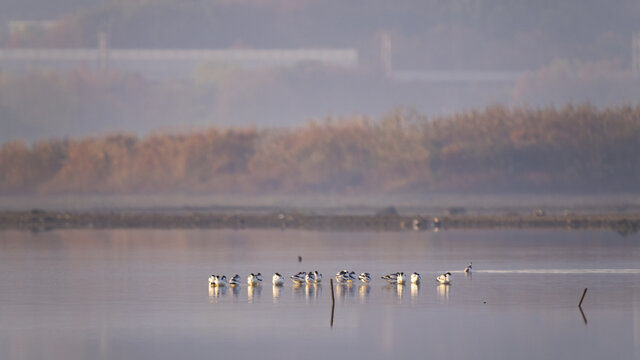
<point x="572" y="149"/>
<point x="41" y="220"/>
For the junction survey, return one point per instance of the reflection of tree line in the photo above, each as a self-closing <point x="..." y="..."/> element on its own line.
<point x="576" y="147"/>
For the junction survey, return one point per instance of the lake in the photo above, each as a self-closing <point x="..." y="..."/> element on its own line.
<point x="144" y="294"/>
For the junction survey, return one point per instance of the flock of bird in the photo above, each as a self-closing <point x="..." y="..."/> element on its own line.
<point x="315" y="277"/>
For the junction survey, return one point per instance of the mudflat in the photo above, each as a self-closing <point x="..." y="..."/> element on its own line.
<point x="41" y="220"/>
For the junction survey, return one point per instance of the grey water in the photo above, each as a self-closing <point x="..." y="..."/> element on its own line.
<point x="144" y="294"/>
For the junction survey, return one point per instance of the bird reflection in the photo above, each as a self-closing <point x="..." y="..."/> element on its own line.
<point x="276" y="293"/>
<point x="390" y="288"/>
<point x="400" y="291"/>
<point x="311" y="292"/>
<point x="415" y="292"/>
<point x="235" y="290"/>
<point x="253" y="292"/>
<point x="395" y="289"/>
<point x="443" y="292"/>
<point x="297" y="290"/>
<point x="364" y="291"/>
<point x="215" y="292"/>
<point x="344" y="291"/>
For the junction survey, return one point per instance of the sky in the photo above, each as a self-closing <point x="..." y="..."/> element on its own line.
<point x="444" y="57"/>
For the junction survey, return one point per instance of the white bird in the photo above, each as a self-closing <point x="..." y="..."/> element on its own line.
<point x="365" y="277"/>
<point x="342" y="277"/>
<point x="345" y="276"/>
<point x="444" y="278"/>
<point x="390" y="278"/>
<point x="254" y="279"/>
<point x="318" y="276"/>
<point x="402" y="279"/>
<point x="235" y="280"/>
<point x="397" y="278"/>
<point x="298" y="278"/>
<point x="310" y="278"/>
<point x="468" y="268"/>
<point x="277" y="279"/>
<point x="212" y="280"/>
<point x="221" y="281"/>
<point x="415" y="278"/>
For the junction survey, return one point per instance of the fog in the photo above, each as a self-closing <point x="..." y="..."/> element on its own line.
<point x="319" y="96"/>
<point x="438" y="57"/>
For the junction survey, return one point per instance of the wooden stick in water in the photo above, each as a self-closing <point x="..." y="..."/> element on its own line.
<point x="583" y="315"/>
<point x="332" y="309"/>
<point x="333" y="303"/>
<point x="582" y="298"/>
<point x="332" y="297"/>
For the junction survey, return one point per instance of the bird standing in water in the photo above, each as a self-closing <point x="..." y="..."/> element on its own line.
<point x="277" y="279"/>
<point x="444" y="278"/>
<point x="254" y="279"/>
<point x="365" y="277"/>
<point x="415" y="278"/>
<point x="397" y="278"/>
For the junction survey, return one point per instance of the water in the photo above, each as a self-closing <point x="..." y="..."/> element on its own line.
<point x="143" y="294"/>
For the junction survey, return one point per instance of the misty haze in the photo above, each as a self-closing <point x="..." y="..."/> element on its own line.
<point x="462" y="172"/>
<point x="316" y="96"/>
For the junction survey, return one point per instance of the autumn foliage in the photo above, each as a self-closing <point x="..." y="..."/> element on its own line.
<point x="576" y="148"/>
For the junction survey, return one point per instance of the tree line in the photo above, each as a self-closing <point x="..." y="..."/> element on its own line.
<point x="575" y="148"/>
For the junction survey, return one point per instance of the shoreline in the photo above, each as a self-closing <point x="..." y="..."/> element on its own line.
<point x="44" y="220"/>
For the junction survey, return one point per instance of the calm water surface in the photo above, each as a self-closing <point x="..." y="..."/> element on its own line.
<point x="143" y="294"/>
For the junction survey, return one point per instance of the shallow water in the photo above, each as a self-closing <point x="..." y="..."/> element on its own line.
<point x="124" y="294"/>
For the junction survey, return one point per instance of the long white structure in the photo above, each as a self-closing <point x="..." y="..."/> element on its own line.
<point x="457" y="76"/>
<point x="276" y="57"/>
